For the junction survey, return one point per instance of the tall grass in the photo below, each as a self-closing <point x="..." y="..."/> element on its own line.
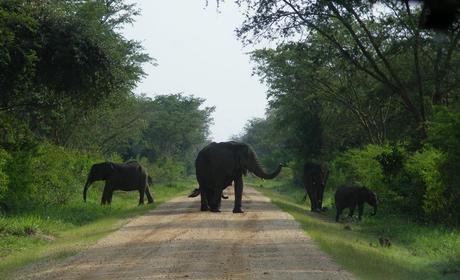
<point x="417" y="251"/>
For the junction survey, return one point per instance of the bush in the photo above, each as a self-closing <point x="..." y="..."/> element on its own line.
<point x="423" y="168"/>
<point x="361" y="167"/>
<point x="444" y="134"/>
<point x="48" y="174"/>
<point x="4" y="158"/>
<point x="167" y="170"/>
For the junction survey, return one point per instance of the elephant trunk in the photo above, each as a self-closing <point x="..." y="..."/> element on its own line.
<point x="88" y="183"/>
<point x="256" y="168"/>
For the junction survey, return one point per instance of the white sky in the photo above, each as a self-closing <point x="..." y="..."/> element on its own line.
<point x="198" y="54"/>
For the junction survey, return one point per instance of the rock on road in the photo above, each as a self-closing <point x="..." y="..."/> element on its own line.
<point x="177" y="241"/>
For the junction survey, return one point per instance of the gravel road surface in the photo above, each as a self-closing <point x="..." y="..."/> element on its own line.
<point x="177" y="241"/>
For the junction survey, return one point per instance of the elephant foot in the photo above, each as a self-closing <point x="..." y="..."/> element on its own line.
<point x="238" y="210"/>
<point x="150" y="202"/>
<point x="215" y="210"/>
<point x="204" y="208"/>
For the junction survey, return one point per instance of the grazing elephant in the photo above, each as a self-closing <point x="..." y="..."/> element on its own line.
<point x="349" y="197"/>
<point x="218" y="165"/>
<point x="314" y="180"/>
<point x="128" y="176"/>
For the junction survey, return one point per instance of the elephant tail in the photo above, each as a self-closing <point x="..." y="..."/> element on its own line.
<point x="194" y="193"/>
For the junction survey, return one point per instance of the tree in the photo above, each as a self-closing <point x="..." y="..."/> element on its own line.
<point x="176" y="128"/>
<point x="370" y="38"/>
<point x="65" y="59"/>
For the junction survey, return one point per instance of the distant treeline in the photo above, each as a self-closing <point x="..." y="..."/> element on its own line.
<point x="362" y="89"/>
<point x="66" y="82"/>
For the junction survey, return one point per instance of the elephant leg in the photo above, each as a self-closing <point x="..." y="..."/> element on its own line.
<point x="305" y="197"/>
<point x="312" y="200"/>
<point x="352" y="210"/>
<point x="204" y="199"/>
<point x="214" y="199"/>
<point x="360" y="210"/>
<point x="320" y="201"/>
<point x="105" y="194"/>
<point x="337" y="215"/>
<point x="238" y="194"/>
<point x="141" y="196"/>
<point x="149" y="196"/>
<point x="315" y="202"/>
<point x="109" y="197"/>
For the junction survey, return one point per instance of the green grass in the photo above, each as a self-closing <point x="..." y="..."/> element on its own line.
<point x="416" y="252"/>
<point x="55" y="232"/>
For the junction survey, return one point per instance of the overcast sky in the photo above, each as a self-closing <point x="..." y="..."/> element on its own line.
<point x="198" y="54"/>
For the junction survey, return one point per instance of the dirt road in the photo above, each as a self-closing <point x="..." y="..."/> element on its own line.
<point x="177" y="241"/>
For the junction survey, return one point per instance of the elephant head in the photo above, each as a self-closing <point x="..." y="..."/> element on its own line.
<point x="371" y="198"/>
<point x="248" y="161"/>
<point x="99" y="171"/>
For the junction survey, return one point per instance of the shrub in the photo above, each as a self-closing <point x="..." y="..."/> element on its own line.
<point x="444" y="134"/>
<point x="361" y="167"/>
<point x="423" y="168"/>
<point x="48" y="174"/>
<point x="4" y="158"/>
<point x="166" y="170"/>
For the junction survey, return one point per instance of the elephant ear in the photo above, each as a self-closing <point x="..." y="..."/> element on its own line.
<point x="242" y="158"/>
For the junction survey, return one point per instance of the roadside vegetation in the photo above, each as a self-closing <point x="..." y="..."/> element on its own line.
<point x="363" y="90"/>
<point x="67" y="77"/>
<point x="417" y="251"/>
<point x="48" y="233"/>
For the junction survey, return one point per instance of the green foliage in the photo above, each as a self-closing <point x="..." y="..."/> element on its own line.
<point x="176" y="129"/>
<point x="59" y="60"/>
<point x="167" y="170"/>
<point x="417" y="251"/>
<point x="4" y="158"/>
<point x="360" y="166"/>
<point x="444" y="134"/>
<point x="46" y="175"/>
<point x="424" y="168"/>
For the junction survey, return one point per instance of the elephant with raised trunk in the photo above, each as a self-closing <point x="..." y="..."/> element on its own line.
<point x="314" y="181"/>
<point x="350" y="197"/>
<point x="218" y="165"/>
<point x="128" y="176"/>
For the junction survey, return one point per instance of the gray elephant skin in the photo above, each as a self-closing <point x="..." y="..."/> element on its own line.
<point x="218" y="165"/>
<point x="314" y="181"/>
<point x="128" y="176"/>
<point x="351" y="196"/>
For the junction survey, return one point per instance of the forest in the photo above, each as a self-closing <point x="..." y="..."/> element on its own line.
<point x="365" y="90"/>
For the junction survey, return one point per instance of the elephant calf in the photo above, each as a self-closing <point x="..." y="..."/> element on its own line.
<point x="349" y="197"/>
<point x="128" y="176"/>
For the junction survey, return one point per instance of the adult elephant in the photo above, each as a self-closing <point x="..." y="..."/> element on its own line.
<point x="314" y="180"/>
<point x="128" y="176"/>
<point x="218" y="165"/>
